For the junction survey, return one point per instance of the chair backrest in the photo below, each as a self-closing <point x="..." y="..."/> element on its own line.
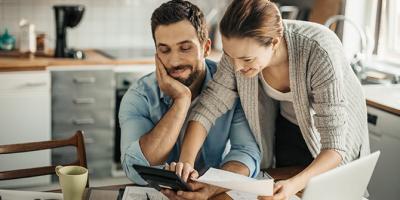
<point x="77" y="140"/>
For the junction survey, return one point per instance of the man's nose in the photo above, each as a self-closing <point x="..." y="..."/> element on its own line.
<point x="174" y="60"/>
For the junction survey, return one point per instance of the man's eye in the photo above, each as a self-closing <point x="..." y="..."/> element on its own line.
<point x="248" y="60"/>
<point x="163" y="50"/>
<point x="186" y="47"/>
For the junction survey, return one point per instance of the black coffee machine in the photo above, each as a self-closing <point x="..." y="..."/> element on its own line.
<point x="67" y="16"/>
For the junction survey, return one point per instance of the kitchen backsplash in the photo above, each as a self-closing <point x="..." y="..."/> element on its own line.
<point x="105" y="24"/>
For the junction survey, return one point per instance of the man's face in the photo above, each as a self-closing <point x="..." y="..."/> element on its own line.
<point x="180" y="50"/>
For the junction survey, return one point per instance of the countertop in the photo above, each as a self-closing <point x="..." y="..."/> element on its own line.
<point x="11" y="62"/>
<point x="384" y="97"/>
<point x="25" y="63"/>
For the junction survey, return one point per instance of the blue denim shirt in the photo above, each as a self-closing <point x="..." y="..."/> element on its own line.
<point x="144" y="104"/>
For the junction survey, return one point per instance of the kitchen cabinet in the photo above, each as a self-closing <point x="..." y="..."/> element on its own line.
<point x="384" y="131"/>
<point x="83" y="98"/>
<point x="25" y="117"/>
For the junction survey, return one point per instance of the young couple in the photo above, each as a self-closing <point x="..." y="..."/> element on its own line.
<point x="283" y="94"/>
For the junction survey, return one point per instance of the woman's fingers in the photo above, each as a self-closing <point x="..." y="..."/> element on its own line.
<point x="187" y="171"/>
<point x="179" y="169"/>
<point x="194" y="174"/>
<point x="172" y="166"/>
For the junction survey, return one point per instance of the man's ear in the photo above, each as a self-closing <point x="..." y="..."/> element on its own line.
<point x="207" y="48"/>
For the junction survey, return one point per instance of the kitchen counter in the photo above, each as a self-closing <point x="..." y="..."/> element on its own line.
<point x="17" y="63"/>
<point x="384" y="97"/>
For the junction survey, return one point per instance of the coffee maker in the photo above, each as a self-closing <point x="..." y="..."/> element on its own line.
<point x="67" y="16"/>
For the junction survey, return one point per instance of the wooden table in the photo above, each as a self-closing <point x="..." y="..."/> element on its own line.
<point x="277" y="174"/>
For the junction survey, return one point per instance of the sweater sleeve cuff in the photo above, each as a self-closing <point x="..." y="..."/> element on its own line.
<point x="330" y="141"/>
<point x="195" y="116"/>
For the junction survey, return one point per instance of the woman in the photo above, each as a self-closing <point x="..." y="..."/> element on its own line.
<point x="301" y="99"/>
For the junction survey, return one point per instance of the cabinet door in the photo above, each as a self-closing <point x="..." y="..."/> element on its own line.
<point x="384" y="136"/>
<point x="24" y="117"/>
<point x="385" y="182"/>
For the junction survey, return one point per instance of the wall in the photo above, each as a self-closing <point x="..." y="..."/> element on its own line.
<point x="106" y="23"/>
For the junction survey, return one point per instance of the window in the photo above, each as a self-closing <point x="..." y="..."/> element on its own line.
<point x="389" y="39"/>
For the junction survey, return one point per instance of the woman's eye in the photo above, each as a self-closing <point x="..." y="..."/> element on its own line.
<point x="248" y="60"/>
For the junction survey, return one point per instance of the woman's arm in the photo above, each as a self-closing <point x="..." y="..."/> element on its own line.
<point x="219" y="96"/>
<point x="192" y="142"/>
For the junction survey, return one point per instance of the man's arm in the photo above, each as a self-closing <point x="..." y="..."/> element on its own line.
<point x="158" y="143"/>
<point x="136" y="127"/>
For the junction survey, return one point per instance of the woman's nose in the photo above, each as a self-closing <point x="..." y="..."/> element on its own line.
<point x="238" y="66"/>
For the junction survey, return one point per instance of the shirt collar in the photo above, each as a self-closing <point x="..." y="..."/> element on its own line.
<point x="167" y="99"/>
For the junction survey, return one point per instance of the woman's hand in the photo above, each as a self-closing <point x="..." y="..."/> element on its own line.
<point x="283" y="190"/>
<point x="183" y="170"/>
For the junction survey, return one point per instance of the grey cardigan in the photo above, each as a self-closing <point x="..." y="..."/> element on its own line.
<point x="327" y="97"/>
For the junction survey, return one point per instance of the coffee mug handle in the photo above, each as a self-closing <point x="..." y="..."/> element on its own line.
<point x="58" y="170"/>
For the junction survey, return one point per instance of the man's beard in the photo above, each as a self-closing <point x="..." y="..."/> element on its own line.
<point x="189" y="80"/>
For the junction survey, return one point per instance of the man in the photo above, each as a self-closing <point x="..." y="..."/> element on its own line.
<point x="153" y="111"/>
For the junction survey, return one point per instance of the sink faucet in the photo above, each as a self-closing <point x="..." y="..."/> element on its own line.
<point x="356" y="62"/>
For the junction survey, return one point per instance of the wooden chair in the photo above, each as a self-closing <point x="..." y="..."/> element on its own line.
<point x="77" y="140"/>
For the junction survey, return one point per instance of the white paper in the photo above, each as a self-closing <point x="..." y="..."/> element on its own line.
<point x="236" y="195"/>
<point x="28" y="195"/>
<point x="233" y="181"/>
<point x="139" y="193"/>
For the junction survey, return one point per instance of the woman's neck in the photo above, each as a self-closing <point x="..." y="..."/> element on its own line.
<point x="280" y="56"/>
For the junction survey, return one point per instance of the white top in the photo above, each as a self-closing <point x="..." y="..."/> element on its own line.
<point x="285" y="100"/>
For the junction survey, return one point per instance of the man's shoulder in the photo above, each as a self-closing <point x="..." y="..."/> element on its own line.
<point x="146" y="85"/>
<point x="212" y="66"/>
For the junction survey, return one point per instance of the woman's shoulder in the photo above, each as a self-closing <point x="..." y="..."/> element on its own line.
<point x="313" y="32"/>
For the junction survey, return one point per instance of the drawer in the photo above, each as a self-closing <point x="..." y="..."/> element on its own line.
<point x="81" y="120"/>
<point x="80" y="91"/>
<point x="100" y="168"/>
<point x="91" y="136"/>
<point x="84" y="79"/>
<point x="83" y="105"/>
<point x="94" y="150"/>
<point x="383" y="123"/>
<point x="25" y="81"/>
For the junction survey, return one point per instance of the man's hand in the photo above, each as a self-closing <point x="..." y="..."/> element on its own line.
<point x="173" y="88"/>
<point x="200" y="192"/>
<point x="187" y="173"/>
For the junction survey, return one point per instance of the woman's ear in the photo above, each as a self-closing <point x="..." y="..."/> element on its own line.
<point x="207" y="48"/>
<point x="275" y="43"/>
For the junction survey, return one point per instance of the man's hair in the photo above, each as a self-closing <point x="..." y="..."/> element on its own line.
<point x="177" y="10"/>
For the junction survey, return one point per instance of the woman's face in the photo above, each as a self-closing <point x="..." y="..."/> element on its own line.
<point x="247" y="55"/>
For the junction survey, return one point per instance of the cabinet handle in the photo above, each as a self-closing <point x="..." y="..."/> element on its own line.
<point x="86" y="121"/>
<point x="84" y="100"/>
<point x="372" y="119"/>
<point x="83" y="80"/>
<point x="36" y="84"/>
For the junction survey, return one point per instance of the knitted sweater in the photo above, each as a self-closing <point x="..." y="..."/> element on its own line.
<point x="327" y="97"/>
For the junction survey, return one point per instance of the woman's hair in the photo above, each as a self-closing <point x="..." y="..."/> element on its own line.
<point x="257" y="19"/>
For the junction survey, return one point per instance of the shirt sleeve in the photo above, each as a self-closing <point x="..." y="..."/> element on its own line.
<point x="134" y="122"/>
<point x="244" y="148"/>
